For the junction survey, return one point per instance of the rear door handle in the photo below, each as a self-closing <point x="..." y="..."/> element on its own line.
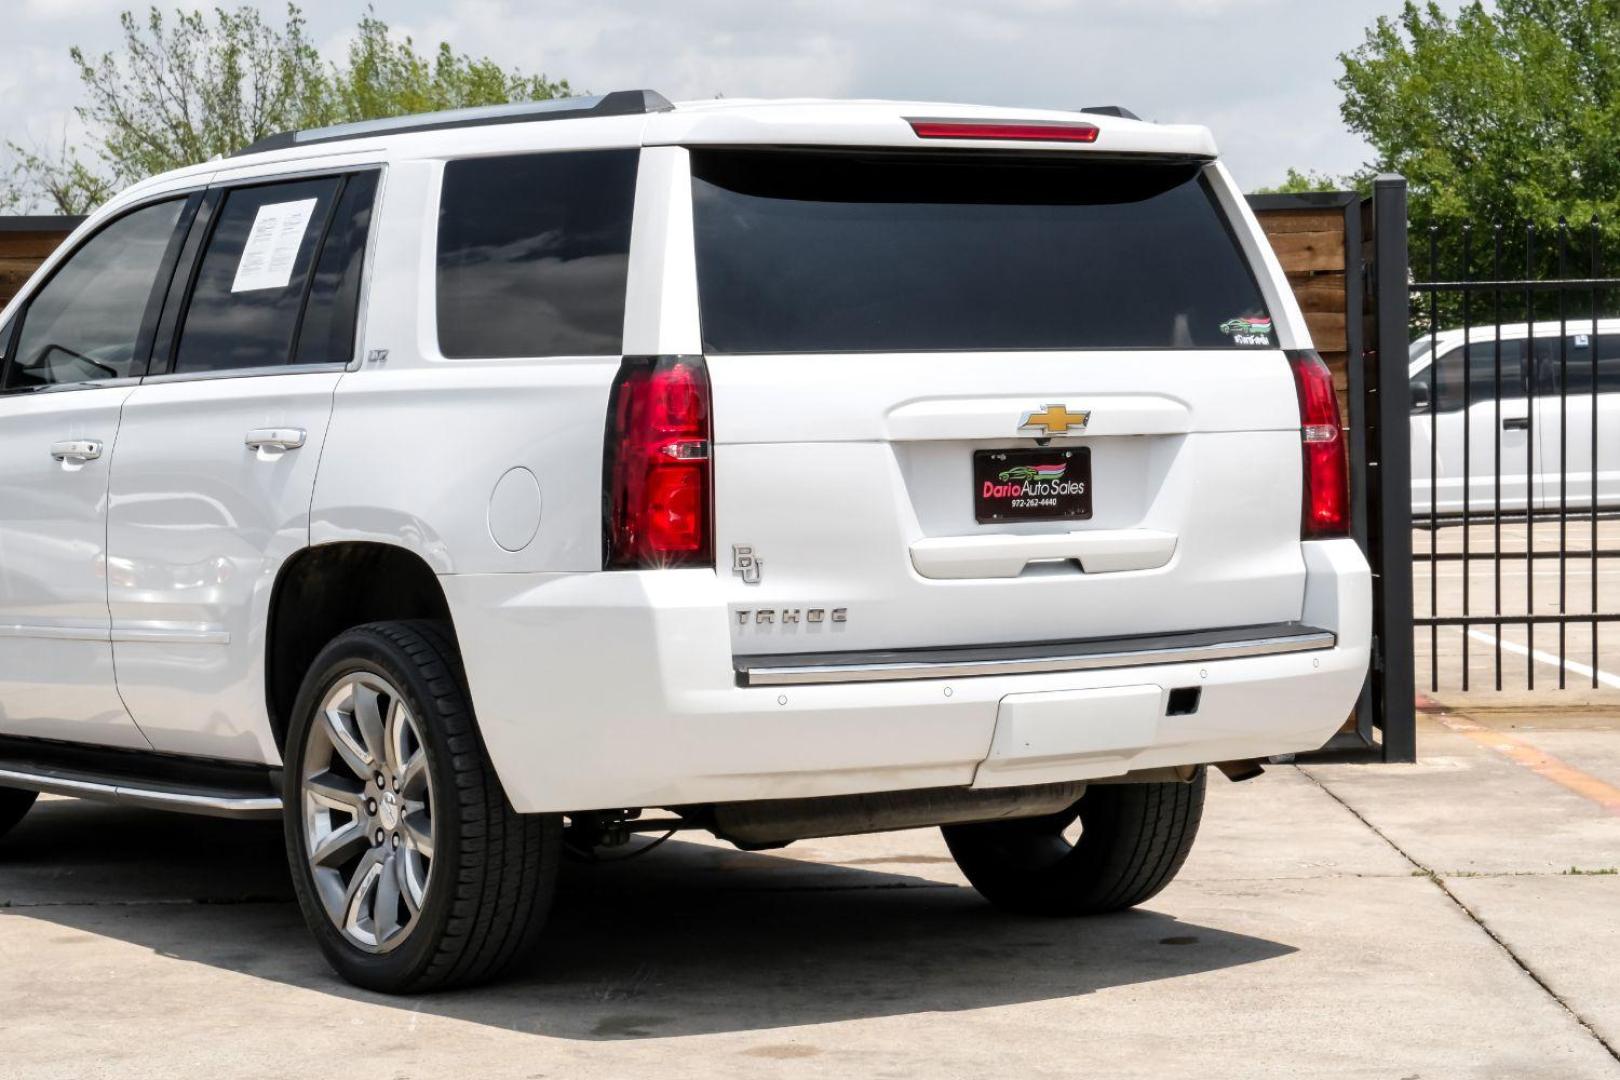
<point x="76" y="450"/>
<point x="275" y="438"/>
<point x="1516" y="423"/>
<point x="1001" y="555"/>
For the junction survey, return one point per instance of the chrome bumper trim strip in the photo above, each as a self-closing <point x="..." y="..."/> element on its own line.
<point x="804" y="669"/>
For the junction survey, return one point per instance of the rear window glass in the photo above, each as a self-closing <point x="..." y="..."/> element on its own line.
<point x="533" y="254"/>
<point x="803" y="251"/>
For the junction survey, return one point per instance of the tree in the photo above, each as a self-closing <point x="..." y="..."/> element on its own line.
<point x="1506" y="117"/>
<point x="1298" y="183"/>
<point x="190" y="90"/>
<point x="58" y="179"/>
<point x="193" y="87"/>
<point x="385" y="77"/>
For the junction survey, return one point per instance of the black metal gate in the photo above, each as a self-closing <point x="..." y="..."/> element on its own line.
<point x="1376" y="345"/>
<point x="1515" y="368"/>
<point x="1484" y="442"/>
<point x="1380" y="464"/>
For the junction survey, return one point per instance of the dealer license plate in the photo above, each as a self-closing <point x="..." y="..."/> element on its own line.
<point x="1041" y="484"/>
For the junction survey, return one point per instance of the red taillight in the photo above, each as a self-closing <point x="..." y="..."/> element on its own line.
<point x="658" y="483"/>
<point x="1020" y="131"/>
<point x="1327" y="475"/>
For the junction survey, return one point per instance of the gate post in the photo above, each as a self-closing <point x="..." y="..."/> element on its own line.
<point x="1390" y="468"/>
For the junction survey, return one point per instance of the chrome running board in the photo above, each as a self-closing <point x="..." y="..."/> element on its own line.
<point x="1199" y="646"/>
<point x="136" y="778"/>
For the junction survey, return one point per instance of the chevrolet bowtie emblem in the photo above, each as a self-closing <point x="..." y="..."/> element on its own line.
<point x="1057" y="420"/>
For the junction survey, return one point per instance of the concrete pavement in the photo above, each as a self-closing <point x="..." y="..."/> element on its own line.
<point x="1524" y="662"/>
<point x="1365" y="921"/>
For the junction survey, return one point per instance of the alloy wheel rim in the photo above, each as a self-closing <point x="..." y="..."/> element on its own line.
<point x="367" y="809"/>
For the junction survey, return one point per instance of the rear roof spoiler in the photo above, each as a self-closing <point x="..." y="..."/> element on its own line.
<point x="1111" y="110"/>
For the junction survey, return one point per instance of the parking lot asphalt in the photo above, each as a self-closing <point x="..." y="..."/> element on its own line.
<point x="1455" y="918"/>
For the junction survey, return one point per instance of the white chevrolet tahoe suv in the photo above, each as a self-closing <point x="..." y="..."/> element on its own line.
<point x="480" y="488"/>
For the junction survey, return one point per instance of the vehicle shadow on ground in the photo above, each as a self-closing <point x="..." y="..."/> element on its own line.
<point x="693" y="939"/>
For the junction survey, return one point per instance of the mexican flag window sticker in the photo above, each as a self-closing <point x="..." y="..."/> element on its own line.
<point x="1248" y="330"/>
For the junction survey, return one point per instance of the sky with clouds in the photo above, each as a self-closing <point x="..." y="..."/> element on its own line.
<point x="1258" y="72"/>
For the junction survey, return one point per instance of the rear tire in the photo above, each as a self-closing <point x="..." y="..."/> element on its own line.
<point x="14" y="805"/>
<point x="1133" y="839"/>
<point x="383" y="744"/>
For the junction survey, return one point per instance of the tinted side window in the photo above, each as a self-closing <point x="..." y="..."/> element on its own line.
<point x="327" y="334"/>
<point x="1577" y="359"/>
<point x="250" y="285"/>
<point x="533" y="253"/>
<point x="1422" y="388"/>
<point x="1479" y="380"/>
<point x="85" y="323"/>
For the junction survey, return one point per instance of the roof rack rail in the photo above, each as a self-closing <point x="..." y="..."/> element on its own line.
<point x="617" y="103"/>
<point x="1111" y="110"/>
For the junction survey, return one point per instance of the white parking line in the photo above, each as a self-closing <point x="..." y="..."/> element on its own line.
<point x="1574" y="667"/>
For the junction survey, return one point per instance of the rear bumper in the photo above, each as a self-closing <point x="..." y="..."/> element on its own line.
<point x="607" y="690"/>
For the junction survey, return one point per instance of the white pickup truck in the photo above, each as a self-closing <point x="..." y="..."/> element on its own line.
<point x="1518" y="417"/>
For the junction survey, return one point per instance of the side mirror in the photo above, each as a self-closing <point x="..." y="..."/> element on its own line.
<point x="1420" y="397"/>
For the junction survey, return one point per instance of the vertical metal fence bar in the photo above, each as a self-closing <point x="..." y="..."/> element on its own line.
<point x="1496" y="456"/>
<point x="1563" y="445"/>
<point x="1437" y="382"/>
<point x="1468" y="436"/>
<point x="1393" y="611"/>
<point x="1595" y="270"/>
<point x="1528" y="371"/>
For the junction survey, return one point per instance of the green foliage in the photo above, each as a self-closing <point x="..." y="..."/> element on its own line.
<point x="195" y="86"/>
<point x="1298" y="183"/>
<point x="192" y="89"/>
<point x="1505" y="121"/>
<point x="59" y="180"/>
<point x="385" y="77"/>
<point x="1497" y="117"/>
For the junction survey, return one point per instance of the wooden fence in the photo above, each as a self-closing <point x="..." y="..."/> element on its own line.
<point x="1309" y="232"/>
<point x="24" y="244"/>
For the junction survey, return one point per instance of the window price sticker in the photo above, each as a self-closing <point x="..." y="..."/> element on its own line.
<point x="272" y="246"/>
